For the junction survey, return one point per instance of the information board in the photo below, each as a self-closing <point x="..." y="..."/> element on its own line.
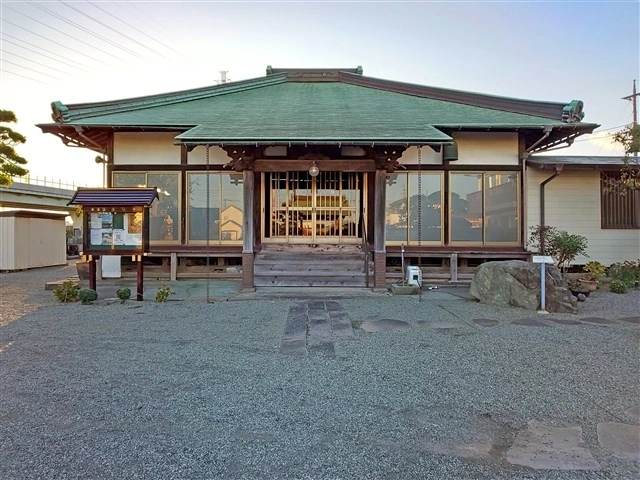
<point x="115" y="230"/>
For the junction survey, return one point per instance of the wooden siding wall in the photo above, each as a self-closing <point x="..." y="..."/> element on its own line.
<point x="573" y="204"/>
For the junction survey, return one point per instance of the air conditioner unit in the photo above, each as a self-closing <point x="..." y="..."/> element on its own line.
<point x="414" y="276"/>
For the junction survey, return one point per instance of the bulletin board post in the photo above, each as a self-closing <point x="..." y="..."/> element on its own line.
<point x="116" y="222"/>
<point x="543" y="260"/>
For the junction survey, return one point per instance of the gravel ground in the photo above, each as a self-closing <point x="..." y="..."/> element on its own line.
<point x="201" y="391"/>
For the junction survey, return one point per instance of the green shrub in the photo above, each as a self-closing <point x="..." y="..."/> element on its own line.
<point x="617" y="286"/>
<point x="627" y="272"/>
<point x="67" y="292"/>
<point x="163" y="293"/>
<point x="564" y="246"/>
<point x="123" y="294"/>
<point x="87" y="295"/>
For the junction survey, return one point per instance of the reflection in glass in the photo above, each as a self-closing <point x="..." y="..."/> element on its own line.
<point x="163" y="214"/>
<point x="163" y="218"/>
<point x="413" y="211"/>
<point x="466" y="207"/>
<point x="501" y="207"/>
<point x="484" y="207"/>
<point x="225" y="207"/>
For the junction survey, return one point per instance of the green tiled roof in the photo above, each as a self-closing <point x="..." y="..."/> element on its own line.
<point x="343" y="107"/>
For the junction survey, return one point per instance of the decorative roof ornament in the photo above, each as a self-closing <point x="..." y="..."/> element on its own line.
<point x="573" y="113"/>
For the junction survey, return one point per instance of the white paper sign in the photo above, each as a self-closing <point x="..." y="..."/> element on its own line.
<point x="542" y="259"/>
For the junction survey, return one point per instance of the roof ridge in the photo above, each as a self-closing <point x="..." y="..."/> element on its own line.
<point x="65" y="113"/>
<point x="552" y="110"/>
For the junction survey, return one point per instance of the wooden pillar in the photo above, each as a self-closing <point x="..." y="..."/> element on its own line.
<point x="174" y="266"/>
<point x="379" y="249"/>
<point x="453" y="267"/>
<point x="92" y="272"/>
<point x="139" y="279"/>
<point x="248" y="230"/>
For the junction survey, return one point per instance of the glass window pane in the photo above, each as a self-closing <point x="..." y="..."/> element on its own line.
<point x="501" y="207"/>
<point x="197" y="209"/>
<point x="163" y="218"/>
<point x="231" y="213"/>
<point x="396" y="207"/>
<point x="129" y="180"/>
<point x="429" y="194"/>
<point x="466" y="207"/>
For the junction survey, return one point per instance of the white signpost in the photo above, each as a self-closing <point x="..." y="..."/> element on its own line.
<point x="542" y="260"/>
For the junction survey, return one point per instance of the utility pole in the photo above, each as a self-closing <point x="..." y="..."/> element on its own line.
<point x="634" y="100"/>
<point x="223" y="77"/>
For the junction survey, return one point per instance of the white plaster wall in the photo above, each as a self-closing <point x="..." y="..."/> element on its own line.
<point x="572" y="203"/>
<point x="198" y="156"/>
<point x="475" y="148"/>
<point x="429" y="156"/>
<point x="153" y="148"/>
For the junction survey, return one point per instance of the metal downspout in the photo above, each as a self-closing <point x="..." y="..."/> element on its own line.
<point x="542" y="203"/>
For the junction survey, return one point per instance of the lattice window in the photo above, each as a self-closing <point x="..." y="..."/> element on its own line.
<point x="620" y="207"/>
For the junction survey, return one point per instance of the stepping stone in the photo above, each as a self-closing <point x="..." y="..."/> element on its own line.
<point x="542" y="446"/>
<point x="634" y="320"/>
<point x="485" y="322"/>
<point x="633" y="411"/>
<point x="384" y="325"/>
<point x="438" y="324"/>
<point x="562" y="321"/>
<point x="598" y="320"/>
<point x="529" y="322"/>
<point x="622" y="440"/>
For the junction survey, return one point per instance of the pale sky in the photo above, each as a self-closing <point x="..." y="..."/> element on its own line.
<point x="89" y="51"/>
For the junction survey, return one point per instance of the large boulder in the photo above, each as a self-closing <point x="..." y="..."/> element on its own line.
<point x="517" y="283"/>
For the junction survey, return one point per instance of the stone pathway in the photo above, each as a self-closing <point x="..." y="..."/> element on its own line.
<point x="312" y="326"/>
<point x="543" y="446"/>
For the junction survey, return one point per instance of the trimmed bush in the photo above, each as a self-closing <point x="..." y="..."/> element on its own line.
<point x="617" y="286"/>
<point x="123" y="294"/>
<point x="87" y="295"/>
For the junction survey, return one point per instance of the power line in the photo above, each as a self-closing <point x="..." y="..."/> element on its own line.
<point x="42" y="54"/>
<point x="80" y="27"/>
<point x="61" y="32"/>
<point x="52" y="41"/>
<point x="132" y="27"/>
<point x="87" y="30"/>
<point x="32" y="61"/>
<point x="27" y="68"/>
<point x="2" y="69"/>
<point x="143" y="17"/>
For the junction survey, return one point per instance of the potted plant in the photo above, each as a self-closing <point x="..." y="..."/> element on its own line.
<point x="594" y="272"/>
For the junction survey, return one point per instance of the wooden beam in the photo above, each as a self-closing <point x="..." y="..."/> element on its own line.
<point x="297" y="165"/>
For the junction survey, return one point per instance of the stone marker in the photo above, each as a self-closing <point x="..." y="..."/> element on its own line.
<point x="542" y="446"/>
<point x="517" y="283"/>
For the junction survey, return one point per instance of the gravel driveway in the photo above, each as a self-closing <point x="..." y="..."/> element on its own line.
<point x="354" y="388"/>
